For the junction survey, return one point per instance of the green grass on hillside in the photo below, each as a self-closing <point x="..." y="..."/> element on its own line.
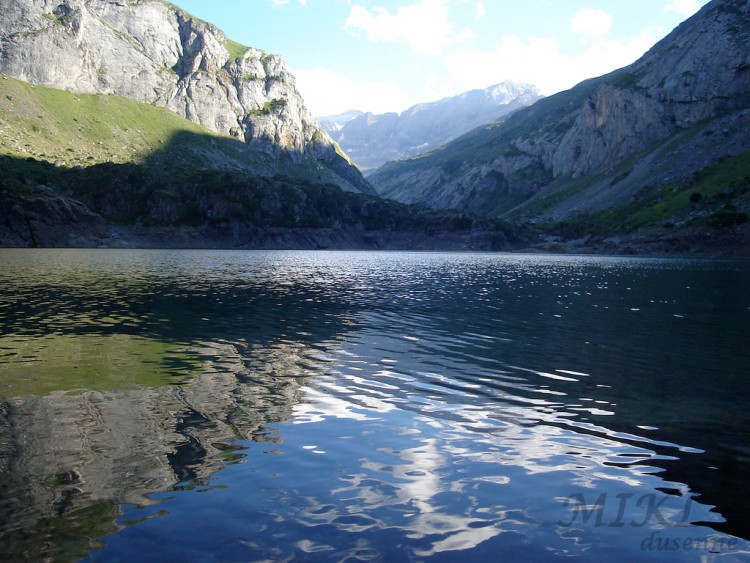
<point x="551" y="195"/>
<point x="137" y="164"/>
<point x="709" y="196"/>
<point x="82" y="129"/>
<point x="236" y="50"/>
<point x="715" y="197"/>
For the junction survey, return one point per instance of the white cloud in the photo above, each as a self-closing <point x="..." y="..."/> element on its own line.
<point x="685" y="8"/>
<point x="425" y="26"/>
<point x="591" y="24"/>
<point x="481" y="12"/>
<point x="536" y="60"/>
<point x="328" y="93"/>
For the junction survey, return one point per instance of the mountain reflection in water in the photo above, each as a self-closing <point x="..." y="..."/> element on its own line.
<point x="261" y="405"/>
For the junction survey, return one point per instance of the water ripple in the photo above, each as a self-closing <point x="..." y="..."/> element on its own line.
<point x="374" y="406"/>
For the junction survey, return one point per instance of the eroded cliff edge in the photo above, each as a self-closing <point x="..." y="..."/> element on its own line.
<point x="152" y="52"/>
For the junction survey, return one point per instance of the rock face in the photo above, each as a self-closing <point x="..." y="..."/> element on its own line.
<point x="371" y="140"/>
<point x="45" y="219"/>
<point x="698" y="76"/>
<point x="152" y="52"/>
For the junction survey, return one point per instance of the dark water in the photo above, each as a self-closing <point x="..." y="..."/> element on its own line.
<point x="243" y="406"/>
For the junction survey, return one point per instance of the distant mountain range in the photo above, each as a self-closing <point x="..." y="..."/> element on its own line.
<point x="334" y="123"/>
<point x="656" y="153"/>
<point x="134" y="123"/>
<point x="371" y="140"/>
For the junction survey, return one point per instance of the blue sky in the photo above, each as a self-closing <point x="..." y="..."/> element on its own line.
<point x="387" y="55"/>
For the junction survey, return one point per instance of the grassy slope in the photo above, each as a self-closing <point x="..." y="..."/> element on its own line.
<point x="717" y="196"/>
<point x="714" y="197"/>
<point x="139" y="164"/>
<point x="82" y="130"/>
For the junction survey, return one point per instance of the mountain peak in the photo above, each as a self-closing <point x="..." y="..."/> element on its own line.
<point x="153" y="52"/>
<point x="372" y="139"/>
<point x="635" y="144"/>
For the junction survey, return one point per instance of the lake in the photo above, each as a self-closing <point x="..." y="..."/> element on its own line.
<point x="342" y="406"/>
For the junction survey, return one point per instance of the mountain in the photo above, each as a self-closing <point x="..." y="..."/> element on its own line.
<point x="132" y="123"/>
<point x="655" y="151"/>
<point x="102" y="170"/>
<point x="153" y="52"/>
<point x="334" y="123"/>
<point x="371" y="140"/>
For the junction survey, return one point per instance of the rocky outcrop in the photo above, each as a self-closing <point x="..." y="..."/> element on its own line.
<point x="152" y="52"/>
<point x="698" y="74"/>
<point x="700" y="71"/>
<point x="40" y="218"/>
<point x="612" y="124"/>
<point x="371" y="140"/>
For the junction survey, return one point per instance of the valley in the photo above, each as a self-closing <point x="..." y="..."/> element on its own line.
<point x="212" y="146"/>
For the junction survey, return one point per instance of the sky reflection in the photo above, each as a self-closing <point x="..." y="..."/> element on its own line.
<point x="200" y="405"/>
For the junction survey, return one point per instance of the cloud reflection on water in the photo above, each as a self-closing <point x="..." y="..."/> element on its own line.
<point x="376" y="405"/>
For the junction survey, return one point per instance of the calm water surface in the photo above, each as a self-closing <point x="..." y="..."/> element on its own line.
<point x="330" y="406"/>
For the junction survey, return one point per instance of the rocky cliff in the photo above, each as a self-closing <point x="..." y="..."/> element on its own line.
<point x="152" y="52"/>
<point x="45" y="219"/>
<point x="102" y="170"/>
<point x="371" y="140"/>
<point x="645" y="133"/>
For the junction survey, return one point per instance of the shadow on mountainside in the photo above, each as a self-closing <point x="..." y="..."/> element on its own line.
<point x="204" y="191"/>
